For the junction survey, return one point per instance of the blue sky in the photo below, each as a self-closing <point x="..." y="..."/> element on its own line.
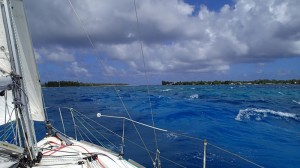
<point x="182" y="40"/>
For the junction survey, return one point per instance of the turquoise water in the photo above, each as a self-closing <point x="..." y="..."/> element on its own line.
<point x="258" y="122"/>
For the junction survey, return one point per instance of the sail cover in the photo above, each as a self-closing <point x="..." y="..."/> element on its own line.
<point x="27" y="61"/>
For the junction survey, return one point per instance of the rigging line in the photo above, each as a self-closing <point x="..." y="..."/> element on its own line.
<point x="154" y="153"/>
<point x="62" y="121"/>
<point x="78" y="18"/>
<point x="12" y="126"/>
<point x="71" y="110"/>
<point x="9" y="120"/>
<point x="26" y="97"/>
<point x="195" y="138"/>
<point x="124" y="118"/>
<point x="80" y="135"/>
<point x="5" y="133"/>
<point x="145" y="148"/>
<point x="198" y="139"/>
<point x="146" y="71"/>
<point x="101" y="125"/>
<point x="9" y="133"/>
<point x="234" y="154"/>
<point x="18" y="127"/>
<point x="222" y="149"/>
<point x="26" y="141"/>
<point x="140" y="136"/>
<point x="98" y="131"/>
<point x="131" y="141"/>
<point x="103" y="65"/>
<point x="12" y="130"/>
<point x="89" y="132"/>
<point x="125" y="165"/>
<point x="10" y="115"/>
<point x="187" y="136"/>
<point x="79" y="129"/>
<point x="6" y="108"/>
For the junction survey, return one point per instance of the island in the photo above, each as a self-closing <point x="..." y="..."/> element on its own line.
<point x="217" y="82"/>
<point x="77" y="84"/>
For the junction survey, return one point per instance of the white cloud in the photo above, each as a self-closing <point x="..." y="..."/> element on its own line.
<point x="77" y="70"/>
<point x="56" y="54"/>
<point x="250" y="31"/>
<point x="112" y="71"/>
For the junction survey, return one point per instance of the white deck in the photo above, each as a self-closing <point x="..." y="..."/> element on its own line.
<point x="57" y="154"/>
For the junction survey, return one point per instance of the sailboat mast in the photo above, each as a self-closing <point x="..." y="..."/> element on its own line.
<point x="19" y="93"/>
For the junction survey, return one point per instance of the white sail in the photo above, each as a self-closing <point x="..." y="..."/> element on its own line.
<point x="5" y="67"/>
<point x="6" y="106"/>
<point x="27" y="66"/>
<point x="28" y="63"/>
<point x="6" y="109"/>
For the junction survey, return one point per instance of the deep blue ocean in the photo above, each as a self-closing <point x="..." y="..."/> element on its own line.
<point x="258" y="122"/>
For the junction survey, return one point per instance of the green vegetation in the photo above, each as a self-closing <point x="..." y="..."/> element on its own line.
<point x="76" y="84"/>
<point x="216" y="82"/>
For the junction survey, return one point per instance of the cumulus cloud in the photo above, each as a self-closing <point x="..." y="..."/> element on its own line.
<point x="56" y="54"/>
<point x="78" y="70"/>
<point x="175" y="37"/>
<point x="113" y="71"/>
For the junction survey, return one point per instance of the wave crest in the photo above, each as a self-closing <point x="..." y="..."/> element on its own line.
<point x="296" y="102"/>
<point x="194" y="96"/>
<point x="259" y="114"/>
<point x="166" y="90"/>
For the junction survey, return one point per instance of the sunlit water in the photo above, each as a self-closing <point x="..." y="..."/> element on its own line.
<point x="258" y="122"/>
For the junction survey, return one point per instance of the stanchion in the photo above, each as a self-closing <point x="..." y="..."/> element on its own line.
<point x="204" y="154"/>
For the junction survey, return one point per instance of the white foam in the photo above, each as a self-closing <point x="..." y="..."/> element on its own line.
<point x="296" y="102"/>
<point x="259" y="114"/>
<point x="194" y="96"/>
<point x="171" y="136"/>
<point x="166" y="90"/>
<point x="281" y="93"/>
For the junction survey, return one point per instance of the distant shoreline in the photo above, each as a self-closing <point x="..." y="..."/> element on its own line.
<point x="78" y="84"/>
<point x="216" y="82"/>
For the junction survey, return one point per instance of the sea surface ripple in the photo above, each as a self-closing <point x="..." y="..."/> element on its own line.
<point x="258" y="122"/>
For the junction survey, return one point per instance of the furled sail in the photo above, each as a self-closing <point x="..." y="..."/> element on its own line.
<point x="6" y="98"/>
<point x="27" y="66"/>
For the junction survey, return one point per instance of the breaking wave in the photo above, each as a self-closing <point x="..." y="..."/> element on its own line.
<point x="194" y="96"/>
<point x="296" y="102"/>
<point x="281" y="93"/>
<point x="259" y="114"/>
<point x="166" y="90"/>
